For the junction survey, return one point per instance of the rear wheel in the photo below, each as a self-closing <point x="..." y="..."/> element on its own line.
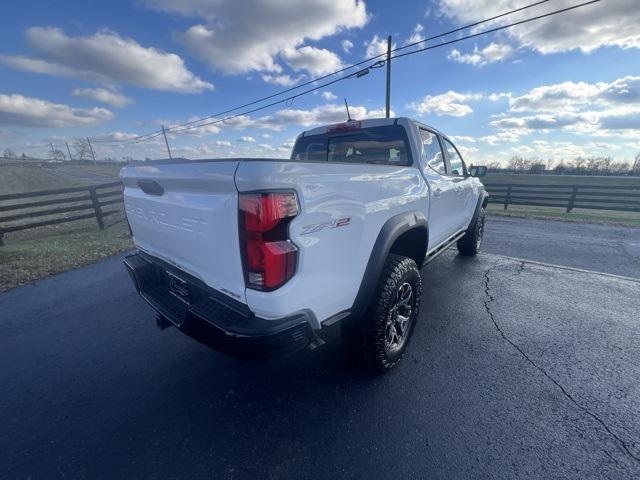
<point x="471" y="242"/>
<point x="389" y="321"/>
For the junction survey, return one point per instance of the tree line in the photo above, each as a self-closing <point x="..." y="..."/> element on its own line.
<point x="577" y="166"/>
<point x="78" y="150"/>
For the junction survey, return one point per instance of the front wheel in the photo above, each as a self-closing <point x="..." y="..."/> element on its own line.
<point x="471" y="242"/>
<point x="389" y="321"/>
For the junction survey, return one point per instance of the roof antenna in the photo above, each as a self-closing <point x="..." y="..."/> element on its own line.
<point x="347" y="106"/>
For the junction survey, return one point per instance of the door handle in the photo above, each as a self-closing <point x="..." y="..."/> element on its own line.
<point x="437" y="192"/>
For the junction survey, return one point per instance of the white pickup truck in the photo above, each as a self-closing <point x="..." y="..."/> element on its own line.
<point x="257" y="257"/>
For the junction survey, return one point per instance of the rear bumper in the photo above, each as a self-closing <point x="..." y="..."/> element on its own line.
<point x="213" y="318"/>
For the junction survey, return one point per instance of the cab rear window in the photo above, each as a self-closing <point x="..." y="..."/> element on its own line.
<point x="386" y="145"/>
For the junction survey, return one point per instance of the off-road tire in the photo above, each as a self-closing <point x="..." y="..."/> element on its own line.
<point x="373" y="352"/>
<point x="471" y="242"/>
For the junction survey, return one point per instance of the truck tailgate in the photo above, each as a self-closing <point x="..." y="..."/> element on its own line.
<point x="187" y="214"/>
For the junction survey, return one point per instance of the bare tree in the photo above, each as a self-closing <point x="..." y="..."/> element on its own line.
<point x="57" y="155"/>
<point x="520" y="164"/>
<point x="636" y="166"/>
<point x="81" y="149"/>
<point x="8" y="153"/>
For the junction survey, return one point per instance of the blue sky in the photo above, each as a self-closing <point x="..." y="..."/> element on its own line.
<point x="565" y="86"/>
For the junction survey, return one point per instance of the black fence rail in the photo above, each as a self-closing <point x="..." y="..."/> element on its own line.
<point x="32" y="209"/>
<point x="594" y="197"/>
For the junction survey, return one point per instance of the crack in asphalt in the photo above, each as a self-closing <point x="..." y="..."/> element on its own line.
<point x="490" y="298"/>
<point x="521" y="266"/>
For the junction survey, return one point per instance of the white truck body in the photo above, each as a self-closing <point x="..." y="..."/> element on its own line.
<point x="343" y="207"/>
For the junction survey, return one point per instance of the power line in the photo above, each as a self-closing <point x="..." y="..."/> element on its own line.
<point x="357" y="74"/>
<point x="156" y="134"/>
<point x="470" y="25"/>
<point x="379" y="63"/>
<point x="496" y="29"/>
<point x="434" y="37"/>
<point x="190" y="125"/>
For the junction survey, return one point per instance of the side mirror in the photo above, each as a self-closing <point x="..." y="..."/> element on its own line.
<point x="478" y="171"/>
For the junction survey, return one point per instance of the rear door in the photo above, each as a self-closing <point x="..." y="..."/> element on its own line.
<point x="457" y="172"/>
<point x="187" y="214"/>
<point x="443" y="193"/>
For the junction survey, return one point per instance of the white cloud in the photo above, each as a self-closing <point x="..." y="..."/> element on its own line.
<point x="282" y="80"/>
<point x="417" y="35"/>
<point x="247" y="139"/>
<point x="451" y="103"/>
<point x="467" y="152"/>
<point x="316" y="61"/>
<point x="494" y="97"/>
<point x="494" y="52"/>
<point x="108" y="57"/>
<point x="328" y="96"/>
<point x="575" y="95"/>
<point x="238" y="37"/>
<point x="377" y="46"/>
<point x="36" y="65"/>
<point x="104" y="95"/>
<point x="598" y="109"/>
<point x="610" y="23"/>
<point x="19" y="110"/>
<point x="463" y="138"/>
<point x="347" y="45"/>
<point x="594" y="122"/>
<point x="212" y="129"/>
<point x="223" y="143"/>
<point x="120" y="137"/>
<point x="324" y="114"/>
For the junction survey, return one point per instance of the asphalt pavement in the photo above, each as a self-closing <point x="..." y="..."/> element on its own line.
<point x="603" y="248"/>
<point x="516" y="370"/>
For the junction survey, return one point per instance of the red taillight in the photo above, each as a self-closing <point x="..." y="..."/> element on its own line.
<point x="269" y="256"/>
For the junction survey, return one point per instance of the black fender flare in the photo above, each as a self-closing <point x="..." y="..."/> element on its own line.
<point x="389" y="233"/>
<point x="483" y="200"/>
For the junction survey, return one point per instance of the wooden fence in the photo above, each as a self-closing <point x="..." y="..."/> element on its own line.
<point x="25" y="213"/>
<point x="593" y="197"/>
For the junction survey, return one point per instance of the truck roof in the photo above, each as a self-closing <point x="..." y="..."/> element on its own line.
<point x="371" y="122"/>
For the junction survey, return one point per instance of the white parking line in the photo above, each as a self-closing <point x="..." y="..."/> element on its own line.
<point x="564" y="267"/>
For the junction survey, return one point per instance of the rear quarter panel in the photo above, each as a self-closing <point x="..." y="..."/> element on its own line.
<point x="333" y="253"/>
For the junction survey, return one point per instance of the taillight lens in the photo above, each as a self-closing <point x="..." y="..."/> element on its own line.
<point x="269" y="256"/>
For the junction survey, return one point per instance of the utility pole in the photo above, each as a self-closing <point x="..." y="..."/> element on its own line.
<point x="68" y="150"/>
<point x="167" y="142"/>
<point x="388" y="76"/>
<point x="53" y="151"/>
<point x="93" y="155"/>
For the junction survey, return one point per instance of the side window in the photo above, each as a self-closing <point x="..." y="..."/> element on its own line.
<point x="431" y="152"/>
<point x="455" y="160"/>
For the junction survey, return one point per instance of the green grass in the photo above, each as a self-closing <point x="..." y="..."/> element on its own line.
<point x="606" y="217"/>
<point x="33" y="254"/>
<point x="32" y="177"/>
<point x="29" y="255"/>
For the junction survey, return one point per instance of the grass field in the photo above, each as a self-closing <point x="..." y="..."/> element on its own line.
<point x="29" y="255"/>
<point x="32" y="177"/>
